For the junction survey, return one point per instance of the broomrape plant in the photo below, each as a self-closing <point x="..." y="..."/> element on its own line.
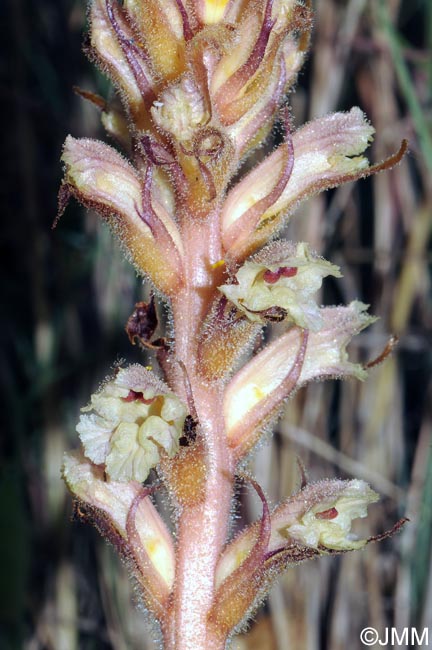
<point x="201" y="83"/>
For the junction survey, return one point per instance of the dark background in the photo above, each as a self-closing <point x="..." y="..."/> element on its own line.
<point x="67" y="293"/>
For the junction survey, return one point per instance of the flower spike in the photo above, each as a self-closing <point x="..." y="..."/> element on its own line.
<point x="200" y="84"/>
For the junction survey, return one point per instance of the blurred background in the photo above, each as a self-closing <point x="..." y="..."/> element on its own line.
<point x="66" y="296"/>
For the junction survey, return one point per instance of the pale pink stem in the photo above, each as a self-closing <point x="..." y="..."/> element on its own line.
<point x="202" y="528"/>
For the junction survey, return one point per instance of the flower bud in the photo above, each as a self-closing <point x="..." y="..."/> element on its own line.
<point x="268" y="43"/>
<point x="282" y="276"/>
<point x="133" y="420"/>
<point x="250" y="129"/>
<point x="326" y="154"/>
<point x="160" y="25"/>
<point x="180" y="110"/>
<point x="256" y="392"/>
<point x="130" y="522"/>
<point x="212" y="11"/>
<point x="112" y="44"/>
<point x="100" y="178"/>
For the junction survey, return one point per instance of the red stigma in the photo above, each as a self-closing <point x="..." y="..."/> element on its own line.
<point x="137" y="396"/>
<point x="282" y="272"/>
<point x="331" y="513"/>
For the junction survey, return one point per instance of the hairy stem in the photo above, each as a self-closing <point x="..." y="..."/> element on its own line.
<point x="202" y="527"/>
<point x="202" y="531"/>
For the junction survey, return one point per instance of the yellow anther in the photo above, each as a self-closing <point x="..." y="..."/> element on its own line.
<point x="217" y="264"/>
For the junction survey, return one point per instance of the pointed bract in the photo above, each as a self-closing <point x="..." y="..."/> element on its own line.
<point x="238" y="590"/>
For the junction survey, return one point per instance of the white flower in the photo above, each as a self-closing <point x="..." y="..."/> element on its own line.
<point x="328" y="523"/>
<point x="285" y="277"/>
<point x="133" y="420"/>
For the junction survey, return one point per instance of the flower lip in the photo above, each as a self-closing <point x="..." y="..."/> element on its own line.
<point x="326" y="525"/>
<point x="133" y="420"/>
<point x="137" y="396"/>
<point x="330" y="513"/>
<point x="280" y="281"/>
